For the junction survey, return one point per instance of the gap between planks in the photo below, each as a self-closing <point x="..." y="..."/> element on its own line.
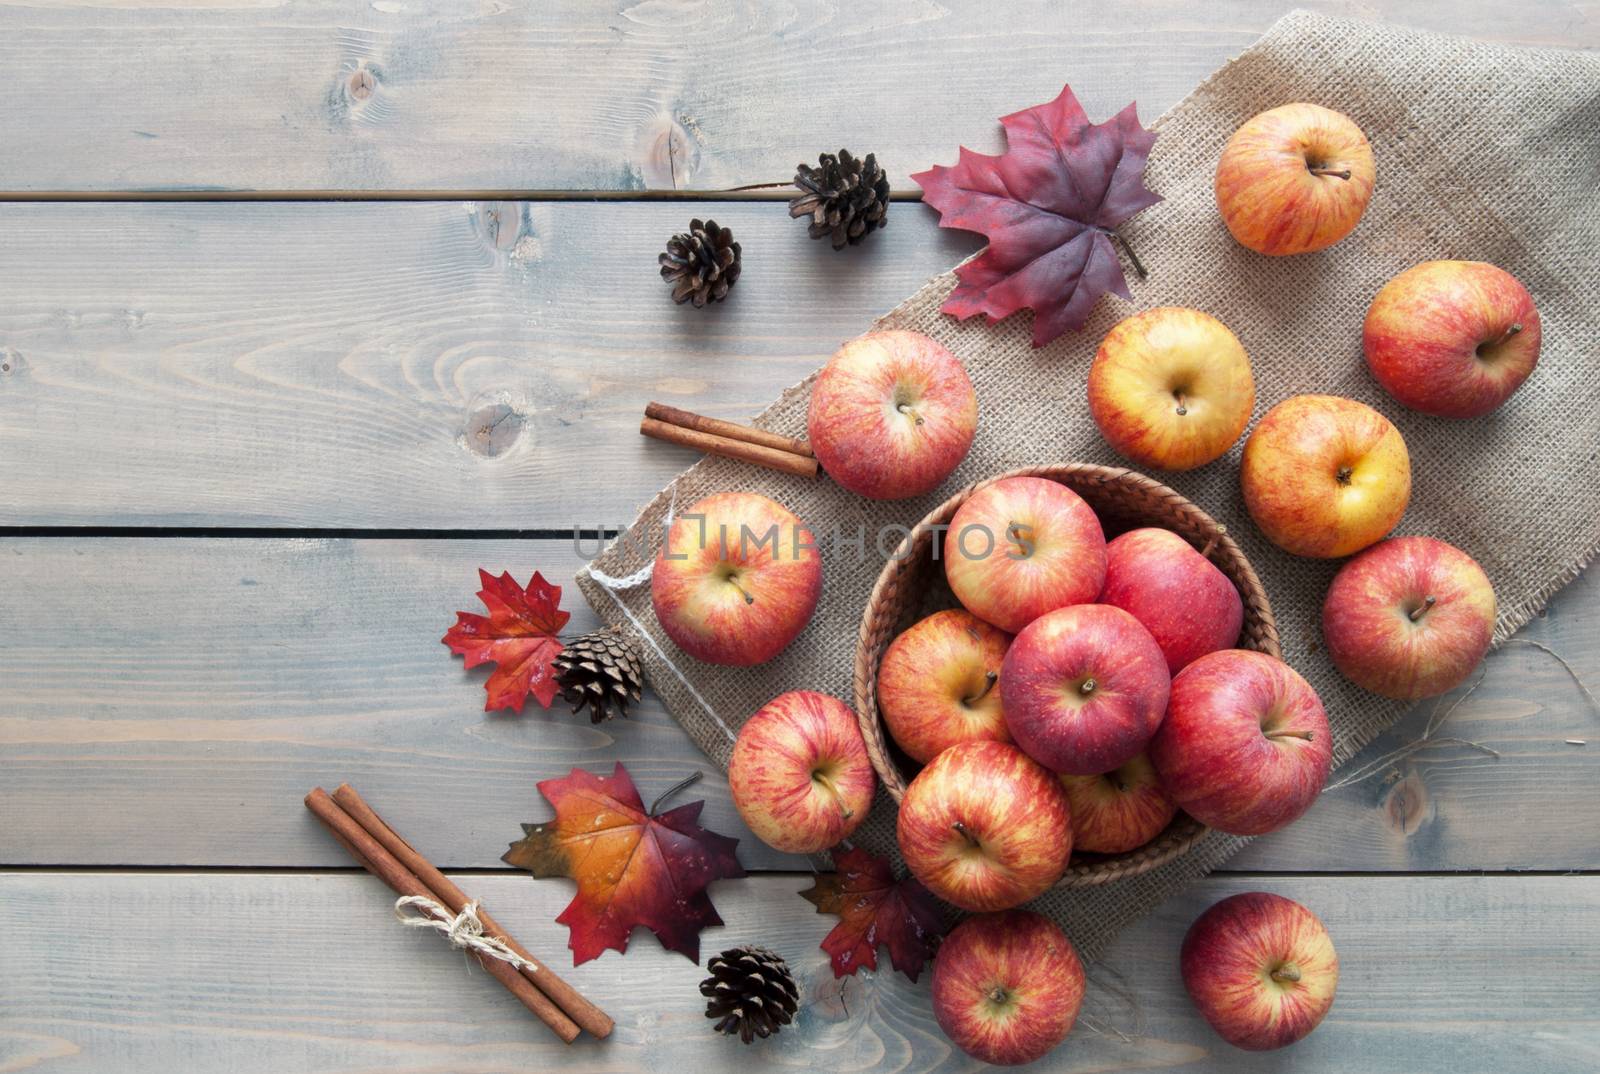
<point x="483" y="871"/>
<point x="781" y="194"/>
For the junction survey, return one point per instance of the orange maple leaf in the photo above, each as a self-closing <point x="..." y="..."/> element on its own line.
<point x="632" y="867"/>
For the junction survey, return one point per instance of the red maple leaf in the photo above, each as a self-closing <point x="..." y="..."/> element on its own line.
<point x="518" y="636"/>
<point x="1049" y="206"/>
<point x="874" y="908"/>
<point x="632" y="867"/>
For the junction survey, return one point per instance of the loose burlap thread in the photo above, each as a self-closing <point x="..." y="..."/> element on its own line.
<point x="1483" y="152"/>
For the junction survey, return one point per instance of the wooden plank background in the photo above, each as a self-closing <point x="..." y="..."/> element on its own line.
<point x="267" y="974"/>
<point x="437" y="365"/>
<point x="224" y="678"/>
<point x="640" y="94"/>
<point x="178" y="357"/>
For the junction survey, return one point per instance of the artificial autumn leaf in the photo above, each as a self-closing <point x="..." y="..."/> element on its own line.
<point x="1049" y="205"/>
<point x="518" y="636"/>
<point x="632" y="867"/>
<point x="874" y="908"/>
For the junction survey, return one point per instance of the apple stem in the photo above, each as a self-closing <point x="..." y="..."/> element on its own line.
<point x="1183" y="407"/>
<point x="1211" y="544"/>
<point x="1422" y="609"/>
<point x="1087" y="687"/>
<point x="1286" y="973"/>
<point x="962" y="828"/>
<point x="1138" y="266"/>
<point x="1509" y="332"/>
<point x="906" y="408"/>
<point x="989" y="679"/>
<point x="832" y="788"/>
<point x="749" y="598"/>
<point x="655" y="806"/>
<point x="1343" y="173"/>
<point x="1290" y="734"/>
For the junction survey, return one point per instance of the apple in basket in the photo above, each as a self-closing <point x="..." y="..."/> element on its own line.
<point x="1120" y="810"/>
<point x="1245" y="747"/>
<point x="1261" y="969"/>
<point x="800" y="775"/>
<point x="1023" y="546"/>
<point x="1325" y="476"/>
<point x="1171" y="388"/>
<point x="937" y="684"/>
<point x="985" y="827"/>
<point x="1409" y="617"/>
<point x="1452" y="338"/>
<point x="1084" y="688"/>
<point x="1294" y="179"/>
<point x="1184" y="601"/>
<point x="891" y="415"/>
<point x="1007" y="987"/>
<point x="738" y="576"/>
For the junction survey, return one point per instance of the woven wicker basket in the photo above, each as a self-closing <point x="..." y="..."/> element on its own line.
<point x="912" y="585"/>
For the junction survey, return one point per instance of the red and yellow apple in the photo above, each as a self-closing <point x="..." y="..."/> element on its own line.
<point x="936" y="684"/>
<point x="1452" y="338"/>
<point x="1294" y="179"/>
<point x="1119" y="810"/>
<point x="1083" y="688"/>
<point x="1178" y="595"/>
<point x="1023" y="546"/>
<point x="736" y="580"/>
<point x="800" y="775"/>
<point x="1245" y="747"/>
<point x="1410" y="617"/>
<point x="1171" y="388"/>
<point x="892" y="414"/>
<point x="1007" y="987"/>
<point x="1325" y="476"/>
<point x="1261" y="969"/>
<point x="984" y="827"/>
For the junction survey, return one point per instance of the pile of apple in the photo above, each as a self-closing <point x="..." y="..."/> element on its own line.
<point x="1086" y="690"/>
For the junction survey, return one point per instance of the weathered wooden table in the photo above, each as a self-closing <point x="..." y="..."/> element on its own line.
<point x="309" y="310"/>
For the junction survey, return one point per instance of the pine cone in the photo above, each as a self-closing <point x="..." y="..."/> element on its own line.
<point x="702" y="263"/>
<point x="600" y="670"/>
<point x="846" y="198"/>
<point x="751" y="991"/>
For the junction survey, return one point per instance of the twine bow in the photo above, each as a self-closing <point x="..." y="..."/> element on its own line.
<point x="463" y="930"/>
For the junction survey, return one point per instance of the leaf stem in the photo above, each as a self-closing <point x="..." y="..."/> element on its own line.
<point x="692" y="777"/>
<point x="1138" y="266"/>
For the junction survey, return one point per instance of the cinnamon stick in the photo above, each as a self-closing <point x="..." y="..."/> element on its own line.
<point x="732" y="430"/>
<point x="725" y="438"/>
<point x="572" y="1002"/>
<point x="773" y="459"/>
<point x="378" y="861"/>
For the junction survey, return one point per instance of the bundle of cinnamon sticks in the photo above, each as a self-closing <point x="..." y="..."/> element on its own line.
<point x="728" y="439"/>
<point x="381" y="851"/>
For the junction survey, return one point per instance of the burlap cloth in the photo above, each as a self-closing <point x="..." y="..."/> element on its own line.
<point x="1483" y="152"/>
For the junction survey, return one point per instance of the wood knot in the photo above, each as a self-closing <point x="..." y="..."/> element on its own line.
<point x="669" y="152"/>
<point x="362" y="84"/>
<point x="1406" y="805"/>
<point x="492" y="430"/>
<point x="10" y="362"/>
<point x="499" y="223"/>
<point x="833" y="1000"/>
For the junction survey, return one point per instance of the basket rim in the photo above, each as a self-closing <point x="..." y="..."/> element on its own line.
<point x="1184" y="832"/>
